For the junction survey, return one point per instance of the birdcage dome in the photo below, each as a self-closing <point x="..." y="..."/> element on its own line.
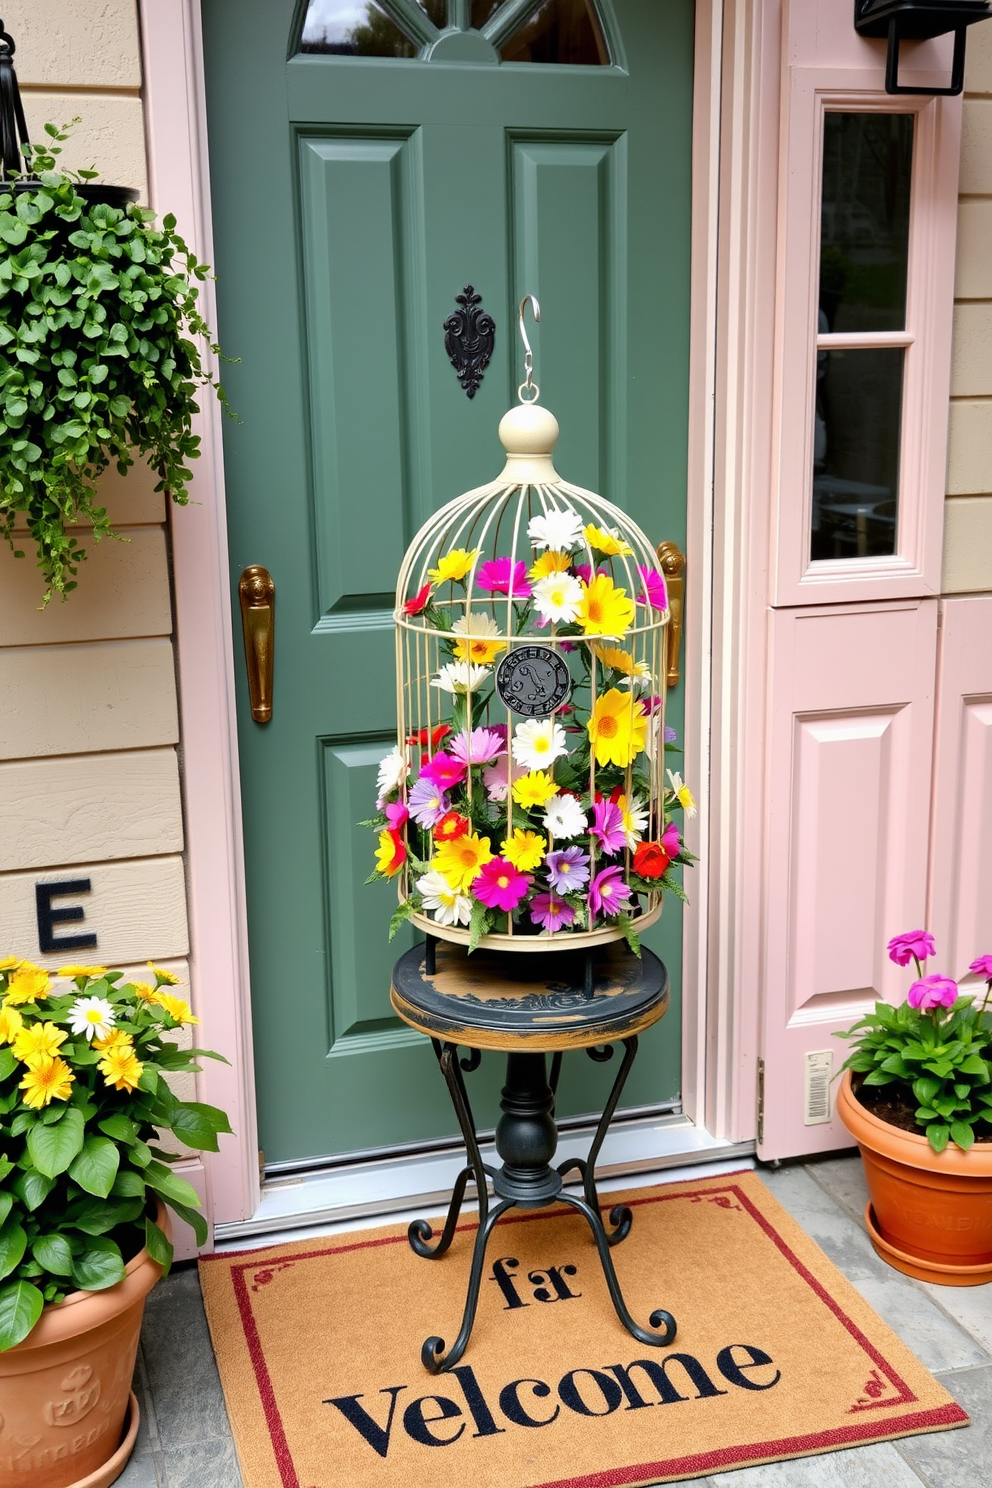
<point x="524" y="805"/>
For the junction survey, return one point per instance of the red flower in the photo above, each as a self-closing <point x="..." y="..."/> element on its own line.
<point x="451" y="826"/>
<point x="650" y="860"/>
<point x="418" y="603"/>
<point x="432" y="736"/>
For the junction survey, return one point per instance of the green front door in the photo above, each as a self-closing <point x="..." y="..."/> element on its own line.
<point x="358" y="188"/>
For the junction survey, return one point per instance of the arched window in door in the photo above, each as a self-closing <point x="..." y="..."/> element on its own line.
<point x="571" y="32"/>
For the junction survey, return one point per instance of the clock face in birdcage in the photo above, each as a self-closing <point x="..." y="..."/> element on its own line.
<point x="533" y="681"/>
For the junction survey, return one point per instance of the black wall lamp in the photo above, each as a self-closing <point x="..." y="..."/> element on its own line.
<point x="919" y="20"/>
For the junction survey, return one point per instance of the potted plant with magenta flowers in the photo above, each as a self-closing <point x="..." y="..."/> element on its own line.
<point x="84" y="1191"/>
<point x="99" y="324"/>
<point x="917" y="1098"/>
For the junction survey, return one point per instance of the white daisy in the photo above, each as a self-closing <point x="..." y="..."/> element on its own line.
<point x="393" y="770"/>
<point x="558" y="528"/>
<point x="92" y="1016"/>
<point x="564" y="818"/>
<point x="558" y="596"/>
<point x="481" y="627"/>
<point x="682" y="793"/>
<point x="635" y="819"/>
<point x="640" y="679"/>
<point x="460" y="676"/>
<point x="448" y="906"/>
<point x="537" y="742"/>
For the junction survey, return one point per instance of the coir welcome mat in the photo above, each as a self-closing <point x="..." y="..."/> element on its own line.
<point x="777" y="1355"/>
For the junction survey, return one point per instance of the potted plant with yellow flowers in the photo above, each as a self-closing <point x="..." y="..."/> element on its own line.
<point x="84" y="1192"/>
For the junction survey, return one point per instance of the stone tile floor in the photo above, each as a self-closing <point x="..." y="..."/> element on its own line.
<point x="185" y="1440"/>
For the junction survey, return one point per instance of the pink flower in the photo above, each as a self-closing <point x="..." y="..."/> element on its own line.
<point x="932" y="992"/>
<point x="501" y="576"/>
<point x="654" y="584"/>
<point x="397" y="815"/>
<point x="982" y="967"/>
<point x="495" y="777"/>
<point x="670" y="840"/>
<point x="501" y="886"/>
<point x="918" y="943"/>
<point x="479" y="747"/>
<point x="607" y="892"/>
<point x="608" y="826"/>
<point x="551" y="913"/>
<point x="428" y="802"/>
<point x="444" y="770"/>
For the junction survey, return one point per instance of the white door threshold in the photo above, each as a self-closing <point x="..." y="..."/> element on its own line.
<point x="319" y="1200"/>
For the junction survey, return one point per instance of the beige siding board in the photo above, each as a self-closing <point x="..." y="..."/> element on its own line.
<point x="123" y="591"/>
<point x="89" y="43"/>
<point x="136" y="908"/>
<point x="971" y="360"/>
<point x="131" y="500"/>
<point x="973" y="272"/>
<point x="978" y="60"/>
<point x="110" y="139"/>
<point x="976" y="148"/>
<point x="967" y="545"/>
<point x="106" y="695"/>
<point x="969" y="454"/>
<point x="89" y="808"/>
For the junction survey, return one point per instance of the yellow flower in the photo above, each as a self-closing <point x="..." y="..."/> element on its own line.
<point x="390" y="855"/>
<point x="144" y="991"/>
<point x="28" y="983"/>
<point x="38" y="1038"/>
<point x="607" y="540"/>
<point x="116" y="1038"/>
<point x="10" y="963"/>
<point x="46" y="1079"/>
<point x="604" y="609"/>
<point x="550" y="562"/>
<point x="120" y="1067"/>
<point x="534" y="789"/>
<point x="11" y="1024"/>
<point x="460" y="861"/>
<point x="81" y="971"/>
<point x="176" y="1007"/>
<point x="621" y="661"/>
<point x="169" y="978"/>
<point x="682" y="793"/>
<point x="454" y="565"/>
<point x="617" y="727"/>
<point x="480" y="639"/>
<point x="524" y="849"/>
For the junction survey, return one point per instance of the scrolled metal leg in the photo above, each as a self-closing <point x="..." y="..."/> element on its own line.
<point x="419" y="1231"/>
<point x="432" y="1355"/>
<point x="659" y="1318"/>
<point x="621" y="1217"/>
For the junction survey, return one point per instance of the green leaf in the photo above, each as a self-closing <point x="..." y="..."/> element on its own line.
<point x="400" y="917"/>
<point x="33" y="1188"/>
<point x="13" y="1243"/>
<point x="174" y="1190"/>
<point x="97" y="1216"/>
<point x="100" y="1265"/>
<point x="630" y="934"/>
<point x="96" y="1166"/>
<point x="962" y="1133"/>
<point x="118" y="1126"/>
<point x="53" y="1253"/>
<point x="128" y="1185"/>
<point x="197" y="1125"/>
<point x="158" y="1245"/>
<point x="479" y="924"/>
<point x="937" y="1135"/>
<point x="6" y="1204"/>
<point x="193" y="1218"/>
<point x="20" y="1308"/>
<point x="8" y="1063"/>
<point x="52" y="1148"/>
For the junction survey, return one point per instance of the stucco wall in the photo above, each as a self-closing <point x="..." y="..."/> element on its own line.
<point x="968" y="509"/>
<point x="89" y="728"/>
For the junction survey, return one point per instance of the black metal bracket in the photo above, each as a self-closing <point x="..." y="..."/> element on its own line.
<point x="920" y="20"/>
<point x="469" y="338"/>
<point x="13" y="129"/>
<point x="892" y="83"/>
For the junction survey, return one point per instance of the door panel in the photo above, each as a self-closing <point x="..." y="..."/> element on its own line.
<point x="354" y="198"/>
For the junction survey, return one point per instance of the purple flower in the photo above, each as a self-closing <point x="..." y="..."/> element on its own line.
<point x="479" y="747"/>
<point x="427" y="802"/>
<point x="982" y="967"/>
<point x="502" y="576"/>
<point x="915" y="943"/>
<point x="608" y="826"/>
<point x="608" y="892"/>
<point x="651" y="706"/>
<point x="932" y="992"/>
<point x="670" y="840"/>
<point x="670" y="734"/>
<point x="654" y="584"/>
<point x="551" y="913"/>
<point x="568" y="869"/>
<point x="444" y="770"/>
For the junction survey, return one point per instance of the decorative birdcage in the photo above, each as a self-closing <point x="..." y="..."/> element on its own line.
<point x="524" y="806"/>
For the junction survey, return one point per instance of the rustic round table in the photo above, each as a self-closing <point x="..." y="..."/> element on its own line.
<point x="528" y="1006"/>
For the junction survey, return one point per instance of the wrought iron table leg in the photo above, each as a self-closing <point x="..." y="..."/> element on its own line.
<point x="659" y="1318"/>
<point x="432" y="1355"/>
<point x="419" y="1232"/>
<point x="620" y="1216"/>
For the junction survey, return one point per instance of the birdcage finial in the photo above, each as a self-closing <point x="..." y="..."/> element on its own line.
<point x="528" y="385"/>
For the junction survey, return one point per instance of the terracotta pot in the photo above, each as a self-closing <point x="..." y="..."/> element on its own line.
<point x="64" y="1391"/>
<point x="930" y="1213"/>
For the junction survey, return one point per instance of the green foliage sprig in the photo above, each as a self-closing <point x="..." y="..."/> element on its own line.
<point x="83" y="1103"/>
<point x="98" y="357"/>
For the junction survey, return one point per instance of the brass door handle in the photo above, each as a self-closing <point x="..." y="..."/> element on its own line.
<point x="257" y="594"/>
<point x="672" y="561"/>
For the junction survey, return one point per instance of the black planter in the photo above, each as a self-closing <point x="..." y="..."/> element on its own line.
<point x="92" y="192"/>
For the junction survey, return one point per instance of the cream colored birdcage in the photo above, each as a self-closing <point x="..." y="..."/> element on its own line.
<point x="530" y="655"/>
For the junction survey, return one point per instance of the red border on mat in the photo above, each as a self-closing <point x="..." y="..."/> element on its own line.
<point x="618" y="1477"/>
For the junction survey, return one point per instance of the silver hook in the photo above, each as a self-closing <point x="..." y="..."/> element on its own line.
<point x="528" y="385"/>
